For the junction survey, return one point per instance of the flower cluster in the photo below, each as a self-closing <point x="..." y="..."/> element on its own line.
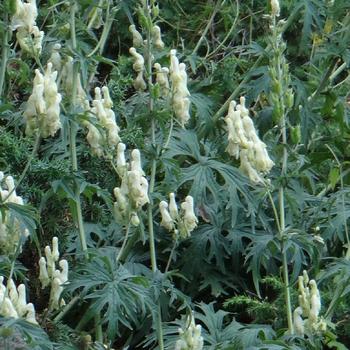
<point x="306" y="315"/>
<point x="13" y="302"/>
<point x="244" y="142"/>
<point x="139" y="61"/>
<point x="190" y="338"/>
<point x="132" y="194"/>
<point x="24" y="21"/>
<point x="162" y="79"/>
<point x="139" y="67"/>
<point x="11" y="230"/>
<point x="42" y="110"/>
<point x="275" y="8"/>
<point x="104" y="129"/>
<point x="49" y="275"/>
<point x="180" y="223"/>
<point x="180" y="94"/>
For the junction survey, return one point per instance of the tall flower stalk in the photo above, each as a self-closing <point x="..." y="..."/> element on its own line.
<point x="153" y="167"/>
<point x="73" y="132"/>
<point x="282" y="100"/>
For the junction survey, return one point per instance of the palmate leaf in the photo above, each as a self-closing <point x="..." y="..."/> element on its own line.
<point x="209" y="179"/>
<point x="30" y="334"/>
<point x="259" y="253"/>
<point x="220" y="330"/>
<point x="311" y="18"/>
<point x="118" y="295"/>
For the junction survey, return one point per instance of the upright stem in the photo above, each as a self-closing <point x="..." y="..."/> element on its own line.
<point x="215" y="11"/>
<point x="151" y="187"/>
<point x="4" y="55"/>
<point x="282" y="224"/>
<point x="282" y="221"/>
<point x="73" y="134"/>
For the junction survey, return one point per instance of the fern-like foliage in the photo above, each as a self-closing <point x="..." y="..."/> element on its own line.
<point x="120" y="296"/>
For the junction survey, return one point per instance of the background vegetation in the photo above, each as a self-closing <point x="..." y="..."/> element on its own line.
<point x="230" y="270"/>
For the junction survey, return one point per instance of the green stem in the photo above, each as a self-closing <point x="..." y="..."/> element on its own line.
<point x="98" y="328"/>
<point x="171" y="256"/>
<point x="4" y="55"/>
<point x="80" y="221"/>
<point x="66" y="309"/>
<point x="247" y="75"/>
<point x="152" y="182"/>
<point x="73" y="134"/>
<point x="121" y="251"/>
<point x="106" y="29"/>
<point x="281" y="198"/>
<point x="215" y="11"/>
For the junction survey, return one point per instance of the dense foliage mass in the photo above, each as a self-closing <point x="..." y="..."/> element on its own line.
<point x="174" y="174"/>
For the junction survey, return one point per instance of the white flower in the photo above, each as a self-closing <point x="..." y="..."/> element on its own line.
<point x="139" y="62"/>
<point x="157" y="37"/>
<point x="24" y="21"/>
<point x="298" y="321"/>
<point x="49" y="275"/>
<point x="137" y="40"/>
<point x="42" y="111"/>
<point x="275" y="8"/>
<point x="190" y="218"/>
<point x="244" y="142"/>
<point x="180" y="93"/>
<point x="174" y="213"/>
<point x="190" y="337"/>
<point x="162" y="79"/>
<point x="167" y="221"/>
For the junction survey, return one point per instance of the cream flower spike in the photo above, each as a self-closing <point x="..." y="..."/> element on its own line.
<point x="275" y="8"/>
<point x="162" y="79"/>
<point x="180" y="93"/>
<point x="306" y="317"/>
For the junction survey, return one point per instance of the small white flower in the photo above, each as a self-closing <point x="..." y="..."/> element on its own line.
<point x="137" y="40"/>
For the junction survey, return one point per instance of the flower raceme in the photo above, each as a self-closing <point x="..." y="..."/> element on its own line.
<point x="180" y="223"/>
<point x="132" y="194"/>
<point x="306" y="316"/>
<point x="11" y="230"/>
<point x="42" y="111"/>
<point x="180" y="94"/>
<point x="49" y="275"/>
<point x="13" y="302"/>
<point x="245" y="144"/>
<point x="24" y="21"/>
<point x="190" y="338"/>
